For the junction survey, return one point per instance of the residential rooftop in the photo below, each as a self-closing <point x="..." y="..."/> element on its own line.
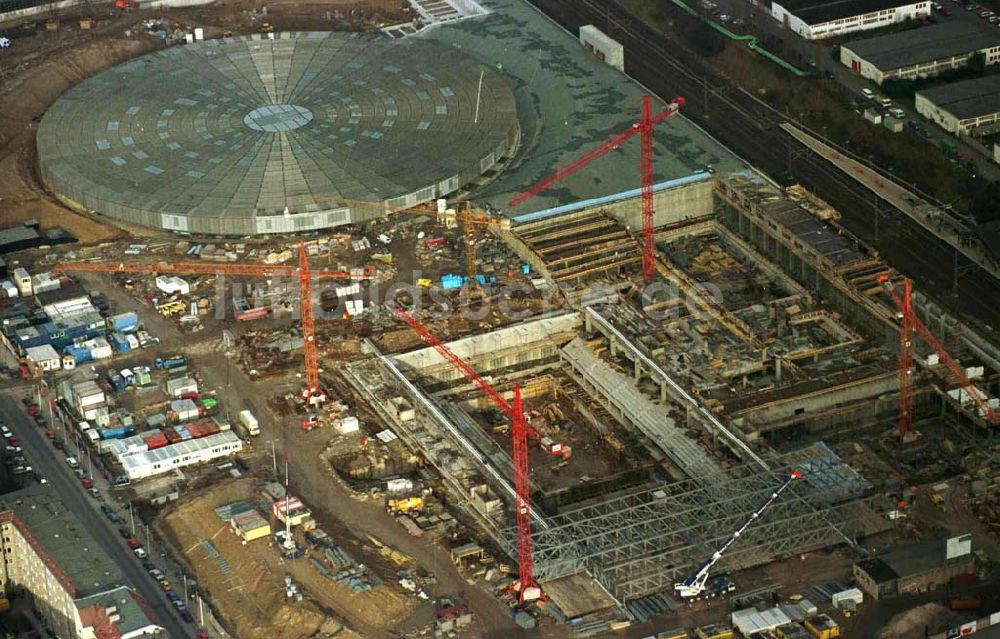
<point x="64" y="539"/>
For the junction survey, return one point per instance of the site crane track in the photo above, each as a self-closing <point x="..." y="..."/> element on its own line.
<point x="740" y="122"/>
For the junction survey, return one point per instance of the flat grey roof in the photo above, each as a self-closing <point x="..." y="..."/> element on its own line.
<point x="967" y="99"/>
<point x="64" y="539"/>
<point x="17" y="234"/>
<point x="924" y="44"/>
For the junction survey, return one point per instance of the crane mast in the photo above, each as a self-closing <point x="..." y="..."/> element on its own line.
<point x="695" y="584"/>
<point x="311" y="393"/>
<point x="910" y="327"/>
<point x="526" y="588"/>
<point x="644" y="129"/>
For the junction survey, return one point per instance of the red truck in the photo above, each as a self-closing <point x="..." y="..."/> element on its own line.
<point x="87" y="482"/>
<point x="964" y="602"/>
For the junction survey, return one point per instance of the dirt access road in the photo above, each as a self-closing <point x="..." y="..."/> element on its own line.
<point x="310" y="479"/>
<point x="38" y="68"/>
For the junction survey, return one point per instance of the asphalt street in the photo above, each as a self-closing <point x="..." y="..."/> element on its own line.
<point x="50" y="464"/>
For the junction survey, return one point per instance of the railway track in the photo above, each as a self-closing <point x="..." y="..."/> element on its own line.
<point x="751" y="129"/>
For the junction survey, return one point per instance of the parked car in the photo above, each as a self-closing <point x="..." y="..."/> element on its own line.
<point x="140" y="553"/>
<point x="868" y="93"/>
<point x="134" y="543"/>
<point x="33" y="410"/>
<point x="186" y="616"/>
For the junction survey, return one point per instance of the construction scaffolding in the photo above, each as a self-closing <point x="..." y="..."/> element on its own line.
<point x="642" y="543"/>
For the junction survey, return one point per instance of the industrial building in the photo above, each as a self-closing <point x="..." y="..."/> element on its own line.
<point x="920" y="53"/>
<point x="413" y="120"/>
<point x="970" y="107"/>
<point x="915" y="568"/>
<point x="74" y="585"/>
<point x="818" y="19"/>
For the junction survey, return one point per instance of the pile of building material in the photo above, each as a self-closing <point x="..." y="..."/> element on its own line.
<point x="337" y="565"/>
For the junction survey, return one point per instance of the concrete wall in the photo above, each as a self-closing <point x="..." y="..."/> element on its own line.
<point x="16" y="14"/>
<point x="670" y="205"/>
<point x="822" y="400"/>
<point x="505" y="347"/>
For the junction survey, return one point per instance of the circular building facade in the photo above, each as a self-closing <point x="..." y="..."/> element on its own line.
<point x="254" y="135"/>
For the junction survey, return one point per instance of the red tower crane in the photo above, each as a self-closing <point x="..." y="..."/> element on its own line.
<point x="526" y="587"/>
<point x="643" y="128"/>
<point x="312" y="392"/>
<point x="910" y="326"/>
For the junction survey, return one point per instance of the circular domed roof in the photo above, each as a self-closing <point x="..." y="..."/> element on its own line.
<point x="256" y="135"/>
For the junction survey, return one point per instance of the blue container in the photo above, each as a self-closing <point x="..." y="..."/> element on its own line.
<point x="79" y="353"/>
<point x="124" y="322"/>
<point x="450" y="281"/>
<point x="481" y="279"/>
<point x="118" y="342"/>
<point x="525" y="268"/>
<point x="116" y="433"/>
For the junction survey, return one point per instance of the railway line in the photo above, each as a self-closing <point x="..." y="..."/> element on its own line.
<point x="751" y="129"/>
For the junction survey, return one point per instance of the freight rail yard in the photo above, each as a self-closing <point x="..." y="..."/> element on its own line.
<point x="357" y="334"/>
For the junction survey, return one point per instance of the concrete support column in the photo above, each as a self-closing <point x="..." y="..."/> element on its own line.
<point x="637" y="369"/>
<point x="588" y="323"/>
<point x="663" y="392"/>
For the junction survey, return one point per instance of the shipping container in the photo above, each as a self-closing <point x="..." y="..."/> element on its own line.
<point x="124" y="322"/>
<point x="119" y="342"/>
<point x="80" y="353"/>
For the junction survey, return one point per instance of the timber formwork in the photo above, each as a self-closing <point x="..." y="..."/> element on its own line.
<point x="578" y="246"/>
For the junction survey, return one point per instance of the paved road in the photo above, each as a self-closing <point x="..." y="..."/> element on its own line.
<point x="51" y="465"/>
<point x="757" y="22"/>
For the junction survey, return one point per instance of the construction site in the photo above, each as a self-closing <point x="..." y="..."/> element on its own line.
<point x="442" y="326"/>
